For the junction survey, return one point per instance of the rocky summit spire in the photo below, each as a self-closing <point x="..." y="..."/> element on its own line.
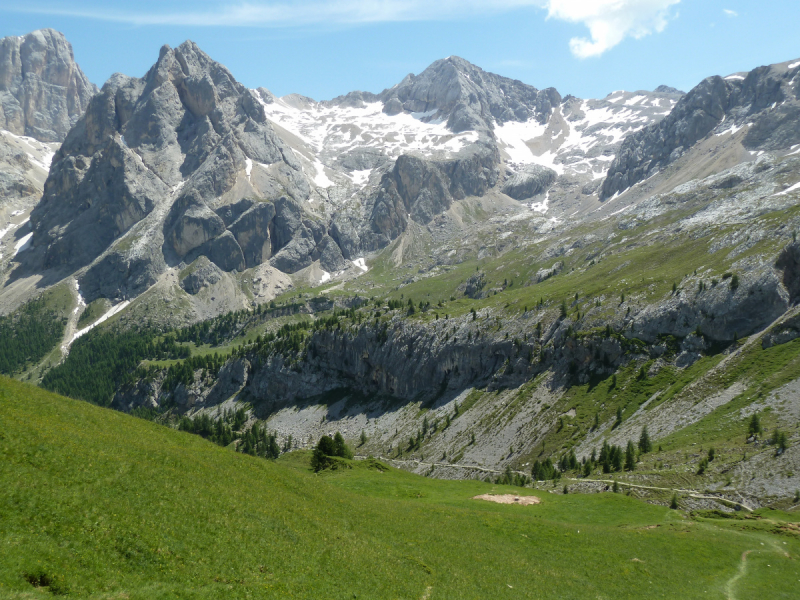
<point x="171" y="162"/>
<point x="43" y="92"/>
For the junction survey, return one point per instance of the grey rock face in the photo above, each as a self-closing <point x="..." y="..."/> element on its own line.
<point x="346" y="233"/>
<point x="118" y="275"/>
<point x="90" y="201"/>
<point x="422" y="189"/>
<point x="19" y="176"/>
<point x="413" y="363"/>
<point x="294" y="256"/>
<point x="294" y="236"/>
<point x="231" y="212"/>
<point x="468" y="97"/>
<point x="533" y="180"/>
<point x="330" y="255"/>
<point x="252" y="233"/>
<point x="194" y="224"/>
<point x="749" y="100"/>
<point x="789" y="262"/>
<point x="359" y="159"/>
<point x="225" y="251"/>
<point x="288" y="221"/>
<point x="43" y="92"/>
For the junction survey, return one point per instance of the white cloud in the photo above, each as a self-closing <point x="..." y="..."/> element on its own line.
<point x="730" y="13"/>
<point x="609" y="21"/>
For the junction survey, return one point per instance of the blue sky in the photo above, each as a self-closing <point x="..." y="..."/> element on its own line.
<point x="587" y="48"/>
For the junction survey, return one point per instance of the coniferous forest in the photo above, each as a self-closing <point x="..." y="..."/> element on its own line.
<point x="28" y="335"/>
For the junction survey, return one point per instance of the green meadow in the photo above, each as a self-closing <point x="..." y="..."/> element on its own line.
<point x="98" y="504"/>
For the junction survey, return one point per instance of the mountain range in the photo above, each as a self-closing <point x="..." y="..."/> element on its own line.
<point x="459" y="241"/>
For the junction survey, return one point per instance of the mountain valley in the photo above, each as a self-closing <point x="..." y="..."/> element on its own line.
<point x="464" y="275"/>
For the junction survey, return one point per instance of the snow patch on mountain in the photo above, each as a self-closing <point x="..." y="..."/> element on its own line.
<point x="23" y="244"/>
<point x="338" y="128"/>
<point x="113" y="311"/>
<point x="582" y="136"/>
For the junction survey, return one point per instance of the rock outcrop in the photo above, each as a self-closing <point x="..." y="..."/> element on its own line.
<point x="733" y="308"/>
<point x="420" y="189"/>
<point x="531" y="181"/>
<point x="43" y="92"/>
<point x="201" y="273"/>
<point x="789" y="263"/>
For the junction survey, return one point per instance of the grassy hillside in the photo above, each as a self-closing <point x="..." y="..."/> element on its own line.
<point x="97" y="504"/>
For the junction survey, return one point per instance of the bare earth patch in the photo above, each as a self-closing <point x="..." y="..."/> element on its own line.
<point x="508" y="499"/>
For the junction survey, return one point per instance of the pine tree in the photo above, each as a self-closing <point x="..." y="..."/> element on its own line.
<point x="780" y="441"/>
<point x="536" y="471"/>
<point x="573" y="461"/>
<point x="674" y="502"/>
<point x="630" y="457"/>
<point x="363" y="438"/>
<point x="754" y="427"/>
<point x="324" y="449"/>
<point x="616" y="458"/>
<point x="645" y="445"/>
<point x="508" y="476"/>
<point x="340" y="447"/>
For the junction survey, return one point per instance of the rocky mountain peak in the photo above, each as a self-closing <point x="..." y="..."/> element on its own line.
<point x="156" y="160"/>
<point x="666" y="89"/>
<point x="43" y="92"/>
<point x="467" y="97"/>
<point x="765" y="101"/>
